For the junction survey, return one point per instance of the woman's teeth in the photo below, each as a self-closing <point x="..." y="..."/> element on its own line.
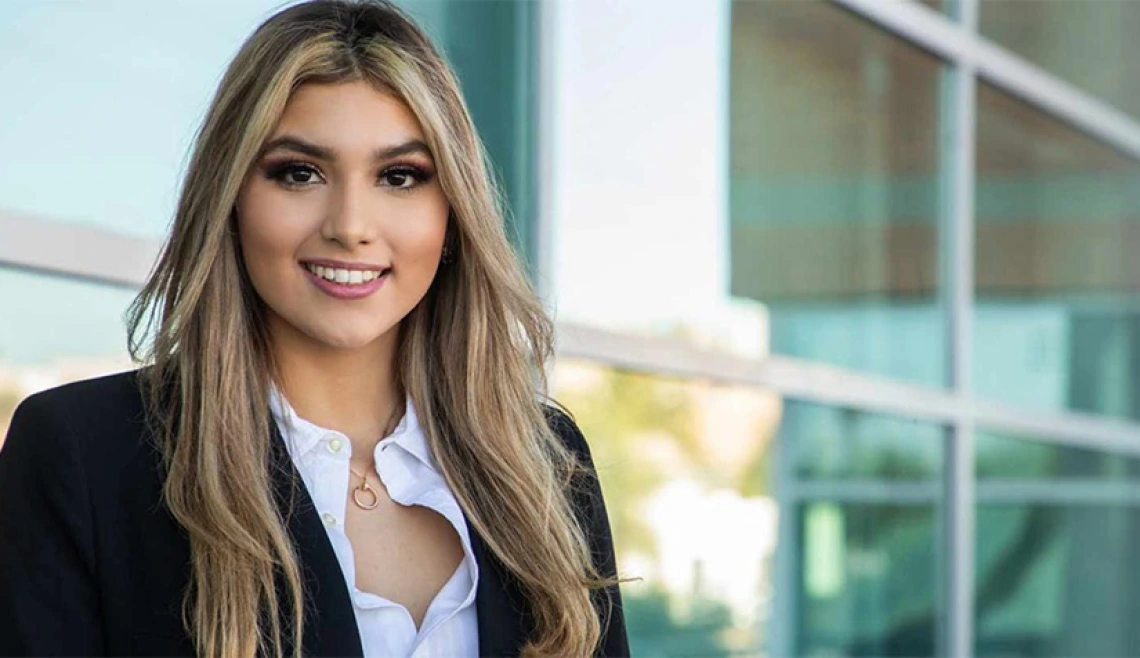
<point x="351" y="277"/>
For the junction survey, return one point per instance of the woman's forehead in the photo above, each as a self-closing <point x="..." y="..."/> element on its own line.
<point x="349" y="118"/>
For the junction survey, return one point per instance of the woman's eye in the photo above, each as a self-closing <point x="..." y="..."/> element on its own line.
<point x="294" y="175"/>
<point x="404" y="178"/>
<point x="397" y="178"/>
<point x="305" y="176"/>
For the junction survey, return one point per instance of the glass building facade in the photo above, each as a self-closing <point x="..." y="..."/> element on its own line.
<point x="845" y="289"/>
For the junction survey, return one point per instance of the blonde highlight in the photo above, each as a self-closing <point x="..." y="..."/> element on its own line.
<point x="211" y="367"/>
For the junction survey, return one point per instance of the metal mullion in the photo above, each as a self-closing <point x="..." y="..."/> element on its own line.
<point x="956" y="249"/>
<point x="867" y="491"/>
<point x="1062" y="493"/>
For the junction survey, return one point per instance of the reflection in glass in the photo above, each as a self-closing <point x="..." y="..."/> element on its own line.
<point x="1001" y="458"/>
<point x="55" y="330"/>
<point x="834" y="192"/>
<point x="863" y="491"/>
<point x="1091" y="44"/>
<point x="867" y="579"/>
<point x="844" y="444"/>
<point x="685" y="471"/>
<point x="1058" y="220"/>
<point x="1055" y="566"/>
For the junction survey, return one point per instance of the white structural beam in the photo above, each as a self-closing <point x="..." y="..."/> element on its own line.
<point x="74" y="250"/>
<point x="818" y="383"/>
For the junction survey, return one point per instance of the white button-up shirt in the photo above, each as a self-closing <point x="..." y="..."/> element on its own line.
<point x="411" y="476"/>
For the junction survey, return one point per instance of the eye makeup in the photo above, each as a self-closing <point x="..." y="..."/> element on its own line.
<point x="397" y="175"/>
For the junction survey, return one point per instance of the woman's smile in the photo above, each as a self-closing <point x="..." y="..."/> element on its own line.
<point x="344" y="283"/>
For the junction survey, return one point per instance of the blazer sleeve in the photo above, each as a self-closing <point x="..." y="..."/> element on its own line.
<point x="591" y="505"/>
<point x="48" y="592"/>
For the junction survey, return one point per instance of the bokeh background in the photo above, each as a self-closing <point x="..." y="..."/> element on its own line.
<point x="845" y="289"/>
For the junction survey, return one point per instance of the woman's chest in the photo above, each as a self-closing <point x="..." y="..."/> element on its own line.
<point x="404" y="554"/>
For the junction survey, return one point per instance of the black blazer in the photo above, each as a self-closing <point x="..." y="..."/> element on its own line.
<point x="92" y="562"/>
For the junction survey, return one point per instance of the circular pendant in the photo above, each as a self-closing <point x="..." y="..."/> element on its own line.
<point x="367" y="490"/>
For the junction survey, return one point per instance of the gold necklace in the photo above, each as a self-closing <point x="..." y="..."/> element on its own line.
<point x="364" y="489"/>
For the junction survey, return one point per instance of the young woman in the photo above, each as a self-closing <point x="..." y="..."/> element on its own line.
<point x="336" y="444"/>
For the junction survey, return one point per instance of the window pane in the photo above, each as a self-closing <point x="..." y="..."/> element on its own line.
<point x="53" y="331"/>
<point x="1055" y="569"/>
<point x="1056" y="325"/>
<point x="834" y="193"/>
<point x="1003" y="458"/>
<point x="685" y="471"/>
<point x="863" y="553"/>
<point x="833" y="444"/>
<point x="1091" y="44"/>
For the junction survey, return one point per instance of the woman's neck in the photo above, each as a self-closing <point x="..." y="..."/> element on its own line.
<point x="351" y="391"/>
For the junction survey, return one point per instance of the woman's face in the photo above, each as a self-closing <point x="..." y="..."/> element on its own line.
<point x="342" y="218"/>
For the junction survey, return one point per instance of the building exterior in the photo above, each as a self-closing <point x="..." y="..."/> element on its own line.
<point x="845" y="289"/>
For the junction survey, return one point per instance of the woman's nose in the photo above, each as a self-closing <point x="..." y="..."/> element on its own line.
<point x="351" y="217"/>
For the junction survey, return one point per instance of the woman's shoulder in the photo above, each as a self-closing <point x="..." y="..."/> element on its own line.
<point x="99" y="418"/>
<point x="117" y="389"/>
<point x="88" y="403"/>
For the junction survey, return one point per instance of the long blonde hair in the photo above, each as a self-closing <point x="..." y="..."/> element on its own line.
<point x="471" y="355"/>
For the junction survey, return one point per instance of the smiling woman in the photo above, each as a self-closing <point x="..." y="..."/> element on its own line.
<point x="334" y="445"/>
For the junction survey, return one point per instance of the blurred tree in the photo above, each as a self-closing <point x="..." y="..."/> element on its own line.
<point x="624" y="417"/>
<point x="643" y="434"/>
<point x="9" y="399"/>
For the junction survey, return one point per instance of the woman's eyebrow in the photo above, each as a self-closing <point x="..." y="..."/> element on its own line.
<point x="291" y="143"/>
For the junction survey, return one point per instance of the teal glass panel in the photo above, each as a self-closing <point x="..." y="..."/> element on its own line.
<point x="1056" y="324"/>
<point x="861" y="551"/>
<point x="834" y="195"/>
<point x="1056" y="531"/>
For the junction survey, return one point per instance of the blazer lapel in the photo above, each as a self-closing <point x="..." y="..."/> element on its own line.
<point x="502" y="619"/>
<point x="330" y="622"/>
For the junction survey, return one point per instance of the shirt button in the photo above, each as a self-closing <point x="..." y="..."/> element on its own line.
<point x="329" y="519"/>
<point x="334" y="445"/>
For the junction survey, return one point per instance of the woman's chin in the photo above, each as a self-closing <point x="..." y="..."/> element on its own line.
<point x="348" y="342"/>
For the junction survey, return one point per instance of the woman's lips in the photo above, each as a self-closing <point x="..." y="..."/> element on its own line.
<point x="347" y="290"/>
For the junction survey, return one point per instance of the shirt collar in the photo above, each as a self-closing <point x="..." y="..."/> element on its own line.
<point x="301" y="436"/>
